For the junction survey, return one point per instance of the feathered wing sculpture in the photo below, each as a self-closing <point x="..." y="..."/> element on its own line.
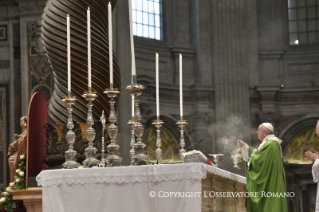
<point x="55" y="43"/>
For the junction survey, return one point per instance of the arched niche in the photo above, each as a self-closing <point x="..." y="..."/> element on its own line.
<point x="299" y="136"/>
<point x="170" y="137"/>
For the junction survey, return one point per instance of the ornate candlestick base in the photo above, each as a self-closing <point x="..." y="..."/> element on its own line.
<point x="90" y="151"/>
<point x="158" y="124"/>
<point x="140" y="157"/>
<point x="70" y="161"/>
<point x="102" y="119"/>
<point x="182" y="124"/>
<point x="131" y="123"/>
<point x="113" y="157"/>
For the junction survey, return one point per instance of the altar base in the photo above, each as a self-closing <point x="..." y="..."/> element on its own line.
<point x="32" y="198"/>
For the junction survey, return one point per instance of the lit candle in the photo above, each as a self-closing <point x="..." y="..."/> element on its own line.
<point x="89" y="46"/>
<point x="180" y="86"/>
<point x="110" y="44"/>
<point x="132" y="39"/>
<point x="157" y="87"/>
<point x="68" y="52"/>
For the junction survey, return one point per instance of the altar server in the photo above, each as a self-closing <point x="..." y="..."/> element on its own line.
<point x="314" y="157"/>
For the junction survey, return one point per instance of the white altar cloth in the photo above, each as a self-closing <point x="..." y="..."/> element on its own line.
<point x="176" y="187"/>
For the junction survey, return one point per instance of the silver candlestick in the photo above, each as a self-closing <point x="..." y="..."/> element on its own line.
<point x="131" y="123"/>
<point x="90" y="151"/>
<point x="158" y="124"/>
<point x="113" y="148"/>
<point x="70" y="161"/>
<point x="140" y="157"/>
<point x="102" y="119"/>
<point x="182" y="124"/>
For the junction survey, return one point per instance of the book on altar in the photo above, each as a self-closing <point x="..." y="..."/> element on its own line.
<point x="196" y="156"/>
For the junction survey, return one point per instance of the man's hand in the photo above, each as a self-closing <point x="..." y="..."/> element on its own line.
<point x="240" y="143"/>
<point x="312" y="156"/>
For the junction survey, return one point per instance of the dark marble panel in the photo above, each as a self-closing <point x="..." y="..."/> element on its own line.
<point x="4" y="64"/>
<point x="2" y="106"/>
<point x="2" y="135"/>
<point x="17" y="104"/>
<point x="16" y="52"/>
<point x="16" y="34"/>
<point x="2" y="171"/>
<point x="17" y="68"/>
<point x="3" y="33"/>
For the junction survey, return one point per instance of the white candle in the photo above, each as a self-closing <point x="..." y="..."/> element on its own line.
<point x="180" y="86"/>
<point x="110" y="43"/>
<point x="89" y="46"/>
<point x="132" y="106"/>
<point x="157" y="87"/>
<point x="132" y="39"/>
<point x="68" y="51"/>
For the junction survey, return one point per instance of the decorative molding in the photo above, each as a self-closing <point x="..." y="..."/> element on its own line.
<point x="302" y="68"/>
<point x="40" y="69"/>
<point x="268" y="97"/>
<point x="270" y="117"/>
<point x="34" y="35"/>
<point x="184" y="51"/>
<point x="28" y="7"/>
<point x="13" y="10"/>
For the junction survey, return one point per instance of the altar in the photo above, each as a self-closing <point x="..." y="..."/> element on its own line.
<point x="166" y="187"/>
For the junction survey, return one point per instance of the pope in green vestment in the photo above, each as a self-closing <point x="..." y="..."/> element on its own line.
<point x="265" y="176"/>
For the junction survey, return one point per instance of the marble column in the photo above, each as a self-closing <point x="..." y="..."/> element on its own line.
<point x="230" y="58"/>
<point x="123" y="53"/>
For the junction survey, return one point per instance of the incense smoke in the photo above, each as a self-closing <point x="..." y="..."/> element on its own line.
<point x="229" y="131"/>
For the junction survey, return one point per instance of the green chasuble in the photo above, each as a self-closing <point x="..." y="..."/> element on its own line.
<point x="265" y="175"/>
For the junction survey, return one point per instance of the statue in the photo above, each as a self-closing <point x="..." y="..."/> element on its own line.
<point x="17" y="148"/>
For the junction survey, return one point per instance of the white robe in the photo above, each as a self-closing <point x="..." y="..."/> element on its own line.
<point x="315" y="175"/>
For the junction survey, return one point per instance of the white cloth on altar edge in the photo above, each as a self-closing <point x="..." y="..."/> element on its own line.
<point x="98" y="194"/>
<point x="118" y="175"/>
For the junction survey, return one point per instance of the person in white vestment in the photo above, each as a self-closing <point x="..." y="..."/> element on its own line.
<point x="314" y="157"/>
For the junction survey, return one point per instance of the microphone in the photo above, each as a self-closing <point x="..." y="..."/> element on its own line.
<point x="162" y="155"/>
<point x="185" y="150"/>
<point x="168" y="148"/>
<point x="222" y="160"/>
<point x="190" y="132"/>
